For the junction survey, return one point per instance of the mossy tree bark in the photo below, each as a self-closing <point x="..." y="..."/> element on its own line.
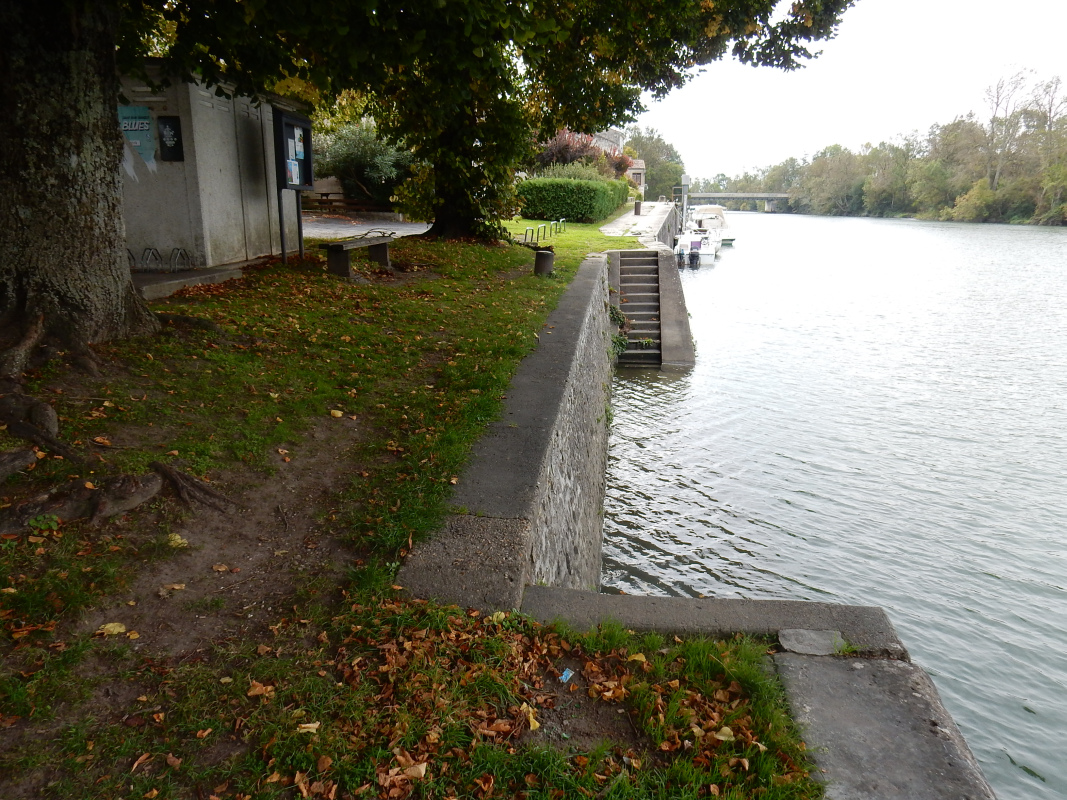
<point x="63" y="266"/>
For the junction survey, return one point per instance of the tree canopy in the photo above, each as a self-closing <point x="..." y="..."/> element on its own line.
<point x="468" y="85"/>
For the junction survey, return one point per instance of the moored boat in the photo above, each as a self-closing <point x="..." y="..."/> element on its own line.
<point x="713" y="217"/>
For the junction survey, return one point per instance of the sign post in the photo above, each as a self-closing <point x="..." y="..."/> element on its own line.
<point x="294" y="165"/>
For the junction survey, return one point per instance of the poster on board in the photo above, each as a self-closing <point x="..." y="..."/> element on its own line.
<point x="135" y="122"/>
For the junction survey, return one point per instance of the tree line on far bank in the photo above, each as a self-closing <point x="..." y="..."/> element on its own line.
<point x="1008" y="164"/>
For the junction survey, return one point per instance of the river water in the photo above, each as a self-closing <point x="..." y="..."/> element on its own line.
<point x="878" y="416"/>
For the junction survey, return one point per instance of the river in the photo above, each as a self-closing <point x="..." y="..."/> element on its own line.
<point x="878" y="416"/>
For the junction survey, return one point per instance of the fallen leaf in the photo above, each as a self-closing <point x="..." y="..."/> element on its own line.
<point x="172" y="452"/>
<point x="221" y="568"/>
<point x="530" y="716"/>
<point x="9" y="590"/>
<point x="112" y="629"/>
<point x="227" y="679"/>
<point x="203" y="734"/>
<point x="173" y="761"/>
<point x="724" y="734"/>
<point x="260" y="690"/>
<point x="637" y="657"/>
<point x="274" y="778"/>
<point x="174" y="540"/>
<point x="133" y="635"/>
<point x="323" y="763"/>
<point x="36" y="539"/>
<point x="417" y="771"/>
<point x="139" y="762"/>
<point x="308" y="727"/>
<point x="335" y="413"/>
<point x="151" y="793"/>
<point x="89" y="485"/>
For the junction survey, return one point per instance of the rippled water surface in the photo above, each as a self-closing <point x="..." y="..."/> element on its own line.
<point x="878" y="415"/>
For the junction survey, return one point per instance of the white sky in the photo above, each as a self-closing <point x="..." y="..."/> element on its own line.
<point x="895" y="66"/>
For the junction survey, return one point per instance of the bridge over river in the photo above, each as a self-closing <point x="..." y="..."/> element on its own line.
<point x="770" y="198"/>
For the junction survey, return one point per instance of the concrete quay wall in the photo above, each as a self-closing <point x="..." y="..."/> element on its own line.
<point x="532" y="492"/>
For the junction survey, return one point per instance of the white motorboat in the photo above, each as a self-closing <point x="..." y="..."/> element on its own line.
<point x="699" y="243"/>
<point x="713" y="217"/>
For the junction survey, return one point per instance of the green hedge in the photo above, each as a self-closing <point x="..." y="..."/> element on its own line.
<point x="579" y="201"/>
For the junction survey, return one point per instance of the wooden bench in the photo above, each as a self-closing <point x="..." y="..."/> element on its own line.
<point x="339" y="254"/>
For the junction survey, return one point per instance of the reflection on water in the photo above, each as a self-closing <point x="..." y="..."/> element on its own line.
<point x="878" y="415"/>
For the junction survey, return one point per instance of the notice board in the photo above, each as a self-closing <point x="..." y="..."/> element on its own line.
<point x="292" y="151"/>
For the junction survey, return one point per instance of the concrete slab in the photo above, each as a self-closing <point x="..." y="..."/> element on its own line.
<point x="474" y="562"/>
<point x="866" y="628"/>
<point x="812" y="643"/>
<point x="878" y="731"/>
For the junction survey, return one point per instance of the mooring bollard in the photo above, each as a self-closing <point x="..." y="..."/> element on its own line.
<point x="637" y="208"/>
<point x="543" y="262"/>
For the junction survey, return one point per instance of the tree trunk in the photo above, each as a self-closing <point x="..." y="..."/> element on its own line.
<point x="62" y="236"/>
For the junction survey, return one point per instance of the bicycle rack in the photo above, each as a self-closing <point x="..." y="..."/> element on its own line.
<point x="151" y="258"/>
<point x="180" y="259"/>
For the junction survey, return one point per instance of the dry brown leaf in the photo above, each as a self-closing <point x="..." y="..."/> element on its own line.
<point x="173" y="761"/>
<point x="323" y="763"/>
<point x="204" y="733"/>
<point x="145" y="757"/>
<point x="220" y="568"/>
<point x="111" y="629"/>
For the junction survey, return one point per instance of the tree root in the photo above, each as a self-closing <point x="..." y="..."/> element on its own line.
<point x="13" y="360"/>
<point x="190" y="489"/>
<point x="14" y="461"/>
<point x="79" y="499"/>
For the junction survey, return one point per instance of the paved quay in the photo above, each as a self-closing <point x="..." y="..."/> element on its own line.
<point x="645" y="227"/>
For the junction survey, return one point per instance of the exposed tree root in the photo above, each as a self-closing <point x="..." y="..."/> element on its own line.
<point x="188" y="322"/>
<point x="190" y="489"/>
<point x="13" y="360"/>
<point x="80" y="499"/>
<point x="14" y="461"/>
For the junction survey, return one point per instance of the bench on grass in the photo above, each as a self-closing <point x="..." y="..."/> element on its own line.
<point x="339" y="254"/>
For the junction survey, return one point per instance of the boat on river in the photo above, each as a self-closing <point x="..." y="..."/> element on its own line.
<point x="700" y="240"/>
<point x="713" y="217"/>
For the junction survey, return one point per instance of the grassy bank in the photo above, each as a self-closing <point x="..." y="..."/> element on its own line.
<point x="337" y="687"/>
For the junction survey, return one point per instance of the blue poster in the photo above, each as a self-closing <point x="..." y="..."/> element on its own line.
<point x="135" y="122"/>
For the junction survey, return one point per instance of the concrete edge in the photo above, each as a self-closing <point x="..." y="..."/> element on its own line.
<point x="156" y="286"/>
<point x="676" y="337"/>
<point x="867" y="629"/>
<point x="878" y="729"/>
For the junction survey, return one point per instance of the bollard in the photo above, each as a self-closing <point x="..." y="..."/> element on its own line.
<point x="637" y="208"/>
<point x="543" y="262"/>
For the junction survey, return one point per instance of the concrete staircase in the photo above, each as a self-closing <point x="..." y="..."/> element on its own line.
<point x="639" y="301"/>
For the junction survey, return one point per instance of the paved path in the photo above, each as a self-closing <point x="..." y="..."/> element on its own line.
<point x="339" y="227"/>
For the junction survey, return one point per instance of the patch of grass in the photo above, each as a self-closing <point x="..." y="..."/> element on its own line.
<point x="351" y="697"/>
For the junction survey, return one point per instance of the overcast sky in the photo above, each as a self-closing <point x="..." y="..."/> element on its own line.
<point x="896" y="66"/>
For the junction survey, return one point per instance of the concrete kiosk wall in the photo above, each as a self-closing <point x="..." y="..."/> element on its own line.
<point x="220" y="203"/>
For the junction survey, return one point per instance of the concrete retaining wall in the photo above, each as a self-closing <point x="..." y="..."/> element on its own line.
<point x="533" y="488"/>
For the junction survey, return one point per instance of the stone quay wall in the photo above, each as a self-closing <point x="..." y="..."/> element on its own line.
<point x="532" y="493"/>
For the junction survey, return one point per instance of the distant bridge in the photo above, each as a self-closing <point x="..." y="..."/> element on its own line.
<point x="771" y="198"/>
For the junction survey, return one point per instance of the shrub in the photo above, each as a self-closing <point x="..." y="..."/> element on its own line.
<point x="561" y="198"/>
<point x="367" y="167"/>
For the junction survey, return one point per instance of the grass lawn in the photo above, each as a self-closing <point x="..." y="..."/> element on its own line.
<point x="144" y="658"/>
